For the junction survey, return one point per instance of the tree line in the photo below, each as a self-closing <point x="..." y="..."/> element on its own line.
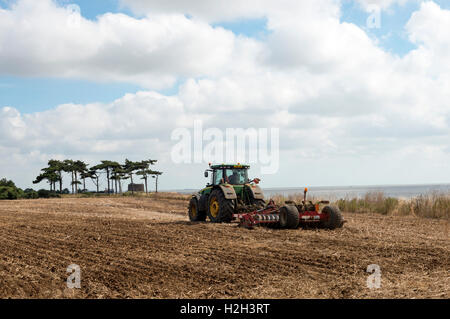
<point x="9" y="190"/>
<point x="79" y="172"/>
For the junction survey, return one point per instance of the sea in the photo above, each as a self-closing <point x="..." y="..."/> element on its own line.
<point x="336" y="192"/>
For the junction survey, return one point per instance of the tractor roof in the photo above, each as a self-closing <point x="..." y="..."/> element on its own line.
<point x="230" y="166"/>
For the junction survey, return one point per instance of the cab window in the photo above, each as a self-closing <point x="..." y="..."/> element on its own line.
<point x="217" y="177"/>
<point x="236" y="176"/>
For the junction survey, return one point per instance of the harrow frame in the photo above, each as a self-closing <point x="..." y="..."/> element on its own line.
<point x="271" y="215"/>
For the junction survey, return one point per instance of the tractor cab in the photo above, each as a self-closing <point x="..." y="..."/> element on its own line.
<point x="228" y="174"/>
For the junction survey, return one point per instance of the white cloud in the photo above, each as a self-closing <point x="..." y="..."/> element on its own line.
<point x="228" y="10"/>
<point x="382" y="4"/>
<point x="428" y="28"/>
<point x="219" y="10"/>
<point x="337" y="97"/>
<point x="39" y="38"/>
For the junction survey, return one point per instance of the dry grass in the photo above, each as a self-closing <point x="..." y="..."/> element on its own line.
<point x="374" y="202"/>
<point x="432" y="205"/>
<point x="163" y="195"/>
<point x="280" y="199"/>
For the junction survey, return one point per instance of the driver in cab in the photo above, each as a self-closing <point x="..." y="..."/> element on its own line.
<point x="234" y="178"/>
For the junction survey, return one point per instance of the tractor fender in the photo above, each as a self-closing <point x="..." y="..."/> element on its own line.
<point x="228" y="191"/>
<point x="256" y="191"/>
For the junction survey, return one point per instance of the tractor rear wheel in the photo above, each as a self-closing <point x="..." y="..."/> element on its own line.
<point x="289" y="217"/>
<point x="195" y="215"/>
<point x="334" y="220"/>
<point x="220" y="209"/>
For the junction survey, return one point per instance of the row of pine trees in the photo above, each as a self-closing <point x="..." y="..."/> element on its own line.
<point x="79" y="171"/>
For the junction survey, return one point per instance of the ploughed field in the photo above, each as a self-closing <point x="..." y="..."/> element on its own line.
<point x="146" y="248"/>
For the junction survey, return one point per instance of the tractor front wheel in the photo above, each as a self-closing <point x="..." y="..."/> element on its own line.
<point x="194" y="214"/>
<point x="220" y="209"/>
<point x="334" y="220"/>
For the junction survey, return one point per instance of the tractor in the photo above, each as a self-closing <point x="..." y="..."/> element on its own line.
<point x="229" y="192"/>
<point x="231" y="195"/>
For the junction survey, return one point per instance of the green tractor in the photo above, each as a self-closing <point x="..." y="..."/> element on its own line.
<point x="229" y="192"/>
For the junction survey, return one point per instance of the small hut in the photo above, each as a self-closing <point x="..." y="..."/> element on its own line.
<point x="136" y="188"/>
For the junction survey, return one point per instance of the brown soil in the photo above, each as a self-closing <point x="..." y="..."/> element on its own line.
<point x="146" y="248"/>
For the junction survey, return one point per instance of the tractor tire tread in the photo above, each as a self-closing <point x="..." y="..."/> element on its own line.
<point x="226" y="207"/>
<point x="291" y="219"/>
<point x="335" y="219"/>
<point x="200" y="216"/>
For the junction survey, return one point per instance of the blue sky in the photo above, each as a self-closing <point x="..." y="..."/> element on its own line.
<point x="391" y="35"/>
<point x="37" y="94"/>
<point x="92" y="8"/>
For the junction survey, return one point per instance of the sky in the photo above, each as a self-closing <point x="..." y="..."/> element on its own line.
<point x="359" y="90"/>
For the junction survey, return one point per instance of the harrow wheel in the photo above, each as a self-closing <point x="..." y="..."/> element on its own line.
<point x="334" y="220"/>
<point x="289" y="217"/>
<point x="220" y="209"/>
<point x="194" y="214"/>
